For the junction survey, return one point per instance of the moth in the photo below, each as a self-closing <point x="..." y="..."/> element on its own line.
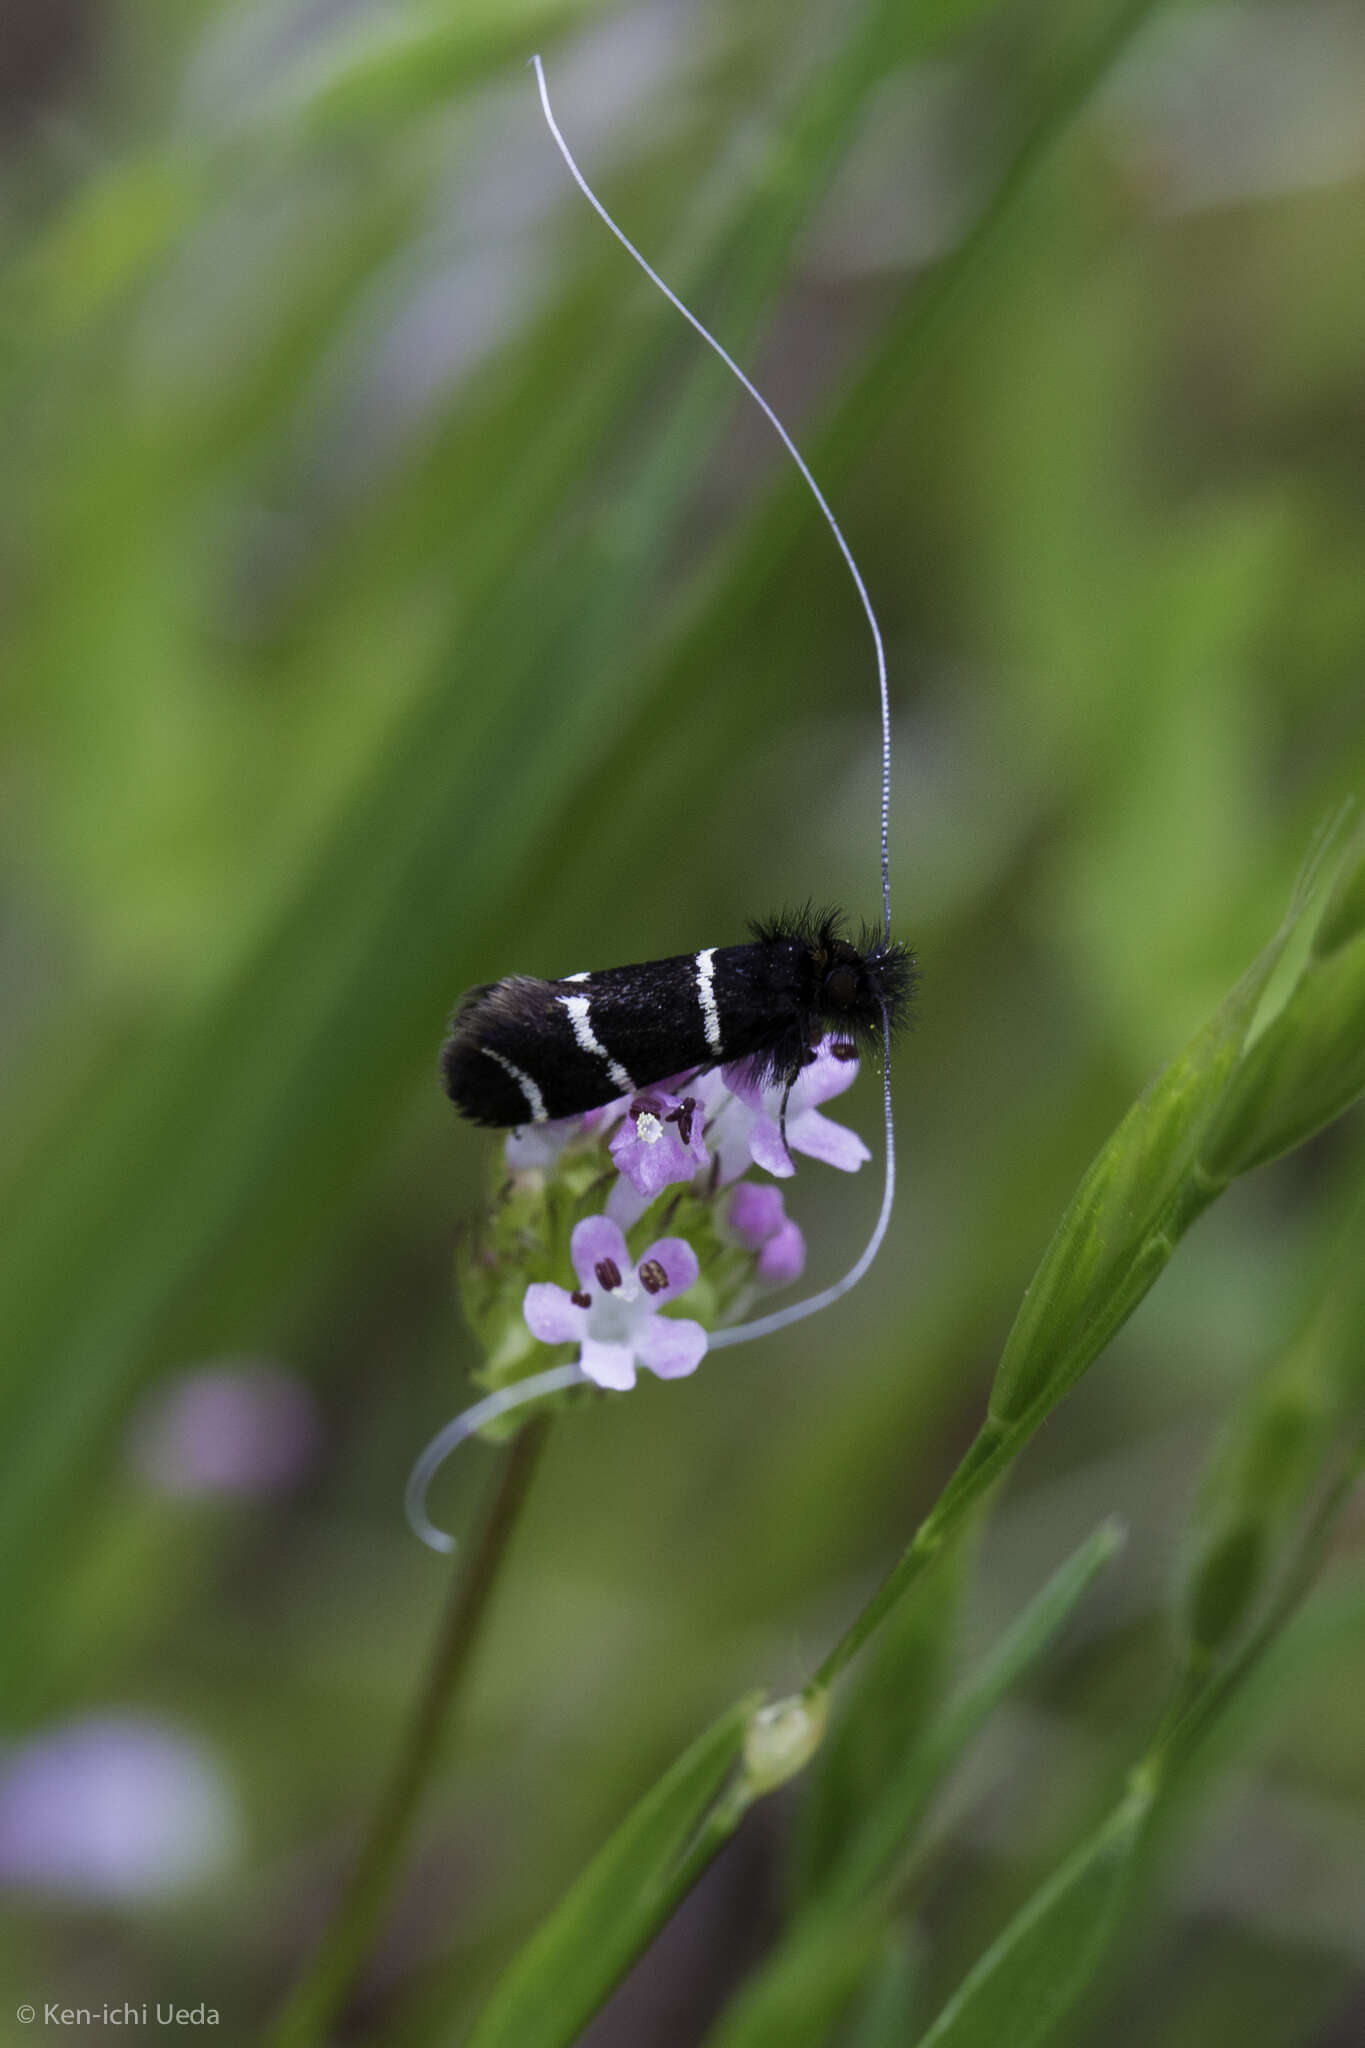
<point x="526" y="1051"/>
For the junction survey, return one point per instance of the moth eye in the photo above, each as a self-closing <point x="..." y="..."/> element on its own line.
<point x="841" y="987"/>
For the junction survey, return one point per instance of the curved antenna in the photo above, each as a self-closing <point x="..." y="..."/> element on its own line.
<point x="795" y="1312"/>
<point x="453" y="1435"/>
<point x="787" y="442"/>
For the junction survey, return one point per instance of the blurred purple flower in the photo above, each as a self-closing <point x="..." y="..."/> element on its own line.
<point x="245" y="1427"/>
<point x="113" y="1807"/>
<point x="760" y="1222"/>
<point x="613" y="1314"/>
<point x="743" y="1118"/>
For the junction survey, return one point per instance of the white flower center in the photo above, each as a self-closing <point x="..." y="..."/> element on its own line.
<point x="648" y="1128"/>
<point x="615" y="1313"/>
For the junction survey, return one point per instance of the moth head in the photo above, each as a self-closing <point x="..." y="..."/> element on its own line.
<point x="844" y="986"/>
<point x="856" y="984"/>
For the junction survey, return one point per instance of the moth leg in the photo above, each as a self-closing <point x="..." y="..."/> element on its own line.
<point x="782" y="1113"/>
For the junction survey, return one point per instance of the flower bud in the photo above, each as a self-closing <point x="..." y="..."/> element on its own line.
<point x="1343" y="917"/>
<point x="1168" y="1159"/>
<point x="781" y="1739"/>
<point x="1270" y="1463"/>
<point x="1304" y="1069"/>
<point x="1223" y="1585"/>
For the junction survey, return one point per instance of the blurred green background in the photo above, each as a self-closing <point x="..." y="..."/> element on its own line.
<point x="395" y="597"/>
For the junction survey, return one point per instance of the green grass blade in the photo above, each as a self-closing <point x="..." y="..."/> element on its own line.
<point x="890" y="1823"/>
<point x="882" y="1716"/>
<point x="800" y="1996"/>
<point x="572" y="1963"/>
<point x="886" y="2012"/>
<point x="1028" y="1980"/>
<point x="813" y="1975"/>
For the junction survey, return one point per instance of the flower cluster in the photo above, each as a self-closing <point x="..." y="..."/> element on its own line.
<point x="648" y="1200"/>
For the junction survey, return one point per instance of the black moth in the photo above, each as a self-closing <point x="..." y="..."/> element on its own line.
<point x="521" y="1050"/>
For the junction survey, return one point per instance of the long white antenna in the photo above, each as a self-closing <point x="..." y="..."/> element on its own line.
<point x="787" y="442"/>
<point x="466" y="1425"/>
<point x="796" y="1311"/>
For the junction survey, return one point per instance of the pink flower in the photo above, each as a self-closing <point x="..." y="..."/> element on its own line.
<point x="759" y="1220"/>
<point x="743" y="1119"/>
<point x="613" y="1314"/>
<point x="660" y="1141"/>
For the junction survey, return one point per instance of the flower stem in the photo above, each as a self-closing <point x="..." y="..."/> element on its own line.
<point x="986" y="1458"/>
<point x="328" y="1979"/>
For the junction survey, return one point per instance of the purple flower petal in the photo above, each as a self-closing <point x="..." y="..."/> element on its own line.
<point x="609" y="1365"/>
<point x="551" y="1315"/>
<point x="671" y="1347"/>
<point x="783" y="1257"/>
<point x="727" y="1125"/>
<point x="752" y="1118"/>
<point x="730" y="1142"/>
<point x="677" y="1260"/>
<point x="625" y="1204"/>
<point x="741" y="1081"/>
<point x="597" y="1241"/>
<point x="680" y="1084"/>
<point x="602" y="1118"/>
<point x="819" y="1137"/>
<point x="828" y="1075"/>
<point x="756" y="1213"/>
<point x="767" y="1150"/>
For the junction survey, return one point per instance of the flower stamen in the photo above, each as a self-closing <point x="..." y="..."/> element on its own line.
<point x="653" y="1277"/>
<point x="682" y="1116"/>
